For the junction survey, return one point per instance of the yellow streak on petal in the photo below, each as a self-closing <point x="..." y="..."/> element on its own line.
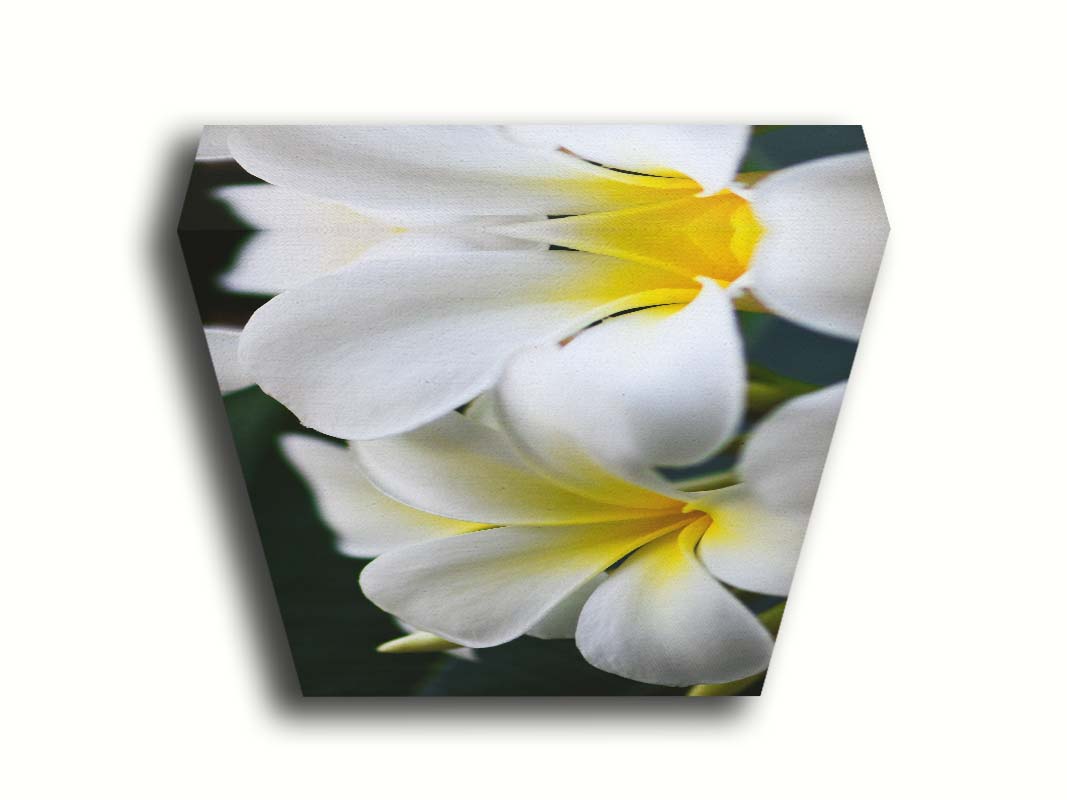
<point x="675" y="554"/>
<point x="727" y="520"/>
<point x="596" y="546"/>
<point x="690" y="535"/>
<point x="695" y="236"/>
<point x="606" y="281"/>
<point x="746" y="233"/>
<point x="595" y="187"/>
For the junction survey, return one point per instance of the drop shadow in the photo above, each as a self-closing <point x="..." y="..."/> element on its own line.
<point x="176" y="308"/>
<point x="178" y="312"/>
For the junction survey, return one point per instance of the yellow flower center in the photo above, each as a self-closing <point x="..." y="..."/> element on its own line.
<point x="711" y="236"/>
<point x="697" y="236"/>
<point x="677" y="547"/>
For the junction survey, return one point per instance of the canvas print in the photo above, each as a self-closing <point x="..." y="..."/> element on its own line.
<point x="532" y="409"/>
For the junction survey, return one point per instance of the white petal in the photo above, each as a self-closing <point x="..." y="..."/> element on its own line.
<point x="454" y="237"/>
<point x="488" y="587"/>
<point x="459" y="468"/>
<point x="709" y="154"/>
<point x="445" y="170"/>
<point x="748" y="544"/>
<point x="661" y="618"/>
<point x="385" y="346"/>
<point x="270" y="262"/>
<point x="366" y="522"/>
<point x="562" y="621"/>
<point x="270" y="208"/>
<point x="784" y="456"/>
<point x="660" y="387"/>
<point x="824" y="232"/>
<point x="214" y="143"/>
<point x="222" y="346"/>
<point x="300" y="238"/>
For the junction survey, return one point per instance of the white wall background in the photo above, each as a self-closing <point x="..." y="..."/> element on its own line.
<point x="944" y="501"/>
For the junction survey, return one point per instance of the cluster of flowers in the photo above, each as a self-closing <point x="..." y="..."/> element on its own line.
<point x="571" y="290"/>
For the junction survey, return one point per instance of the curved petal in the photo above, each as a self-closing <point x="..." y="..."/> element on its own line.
<point x="459" y="468"/>
<point x="271" y="208"/>
<point x="661" y="618"/>
<point x="385" y="346"/>
<point x="366" y="522"/>
<point x="222" y="347"/>
<point x="784" y="456"/>
<point x="709" y="154"/>
<point x="562" y="621"/>
<point x="214" y="143"/>
<point x="488" y="587"/>
<point x="660" y="387"/>
<point x="270" y="262"/>
<point x="300" y="238"/>
<point x="824" y="232"/>
<point x="443" y="170"/>
<point x="748" y="544"/>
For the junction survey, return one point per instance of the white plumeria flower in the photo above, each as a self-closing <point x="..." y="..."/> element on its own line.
<point x="490" y="531"/>
<point x="368" y="522"/>
<point x="402" y="336"/>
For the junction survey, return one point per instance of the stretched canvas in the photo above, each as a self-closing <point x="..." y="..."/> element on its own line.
<point x="532" y="409"/>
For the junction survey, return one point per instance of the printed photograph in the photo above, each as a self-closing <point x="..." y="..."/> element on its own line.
<point x="533" y="410"/>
